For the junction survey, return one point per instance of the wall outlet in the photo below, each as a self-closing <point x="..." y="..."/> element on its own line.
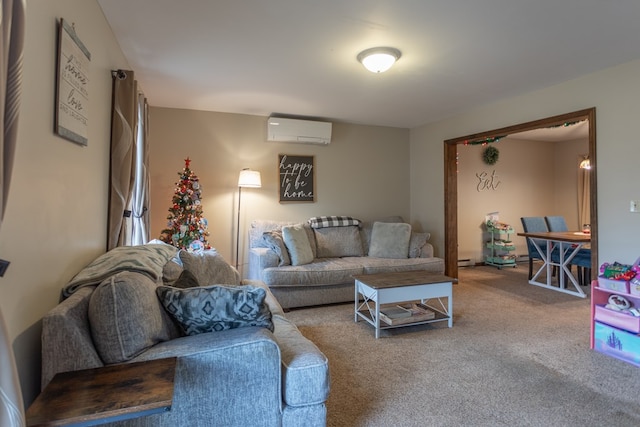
<point x="634" y="206"/>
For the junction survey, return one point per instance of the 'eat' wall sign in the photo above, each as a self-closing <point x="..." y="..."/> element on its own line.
<point x="296" y="178"/>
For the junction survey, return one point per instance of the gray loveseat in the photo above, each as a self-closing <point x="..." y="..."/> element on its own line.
<point x="268" y="375"/>
<point x="341" y="247"/>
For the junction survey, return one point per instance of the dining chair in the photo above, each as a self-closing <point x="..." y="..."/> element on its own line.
<point x="582" y="260"/>
<point x="532" y="224"/>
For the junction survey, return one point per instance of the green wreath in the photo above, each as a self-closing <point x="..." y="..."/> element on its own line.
<point x="490" y="155"/>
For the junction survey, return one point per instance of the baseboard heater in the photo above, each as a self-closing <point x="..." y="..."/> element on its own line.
<point x="467" y="262"/>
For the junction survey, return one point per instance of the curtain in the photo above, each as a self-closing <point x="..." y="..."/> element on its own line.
<point x="140" y="199"/>
<point x="12" y="34"/>
<point x="128" y="195"/>
<point x="584" y="197"/>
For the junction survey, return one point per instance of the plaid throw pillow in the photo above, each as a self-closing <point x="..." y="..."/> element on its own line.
<point x="332" y="221"/>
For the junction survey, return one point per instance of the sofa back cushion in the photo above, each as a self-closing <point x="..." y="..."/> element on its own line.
<point x="390" y="240"/>
<point x="126" y="317"/>
<point x="333" y="242"/>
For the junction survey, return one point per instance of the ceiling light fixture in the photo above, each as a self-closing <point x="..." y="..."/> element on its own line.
<point x="379" y="59"/>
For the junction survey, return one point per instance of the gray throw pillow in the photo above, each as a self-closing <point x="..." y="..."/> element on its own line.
<point x="297" y="242"/>
<point x="186" y="280"/>
<point x="216" y="308"/>
<point x="273" y="240"/>
<point x="209" y="268"/>
<point x="417" y="241"/>
<point x="171" y="271"/>
<point x="125" y="317"/>
<point x="338" y="241"/>
<point x="390" y="240"/>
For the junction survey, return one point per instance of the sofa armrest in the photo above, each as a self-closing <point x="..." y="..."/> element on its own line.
<point x="259" y="259"/>
<point x="220" y="375"/>
<point x="67" y="344"/>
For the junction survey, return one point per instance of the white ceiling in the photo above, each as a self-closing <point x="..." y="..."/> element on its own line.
<point x="298" y="57"/>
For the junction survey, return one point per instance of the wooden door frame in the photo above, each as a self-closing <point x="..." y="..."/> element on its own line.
<point x="451" y="181"/>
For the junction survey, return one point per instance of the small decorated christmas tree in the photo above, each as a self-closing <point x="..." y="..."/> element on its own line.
<point x="186" y="227"/>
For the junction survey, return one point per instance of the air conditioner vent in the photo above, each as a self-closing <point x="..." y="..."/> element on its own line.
<point x="300" y="131"/>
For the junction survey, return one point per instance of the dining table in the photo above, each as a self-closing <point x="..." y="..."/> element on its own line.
<point x="568" y="244"/>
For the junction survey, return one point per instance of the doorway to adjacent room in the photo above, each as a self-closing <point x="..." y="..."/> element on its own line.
<point x="451" y="183"/>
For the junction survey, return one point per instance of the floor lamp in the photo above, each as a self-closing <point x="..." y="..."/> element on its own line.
<point x="249" y="179"/>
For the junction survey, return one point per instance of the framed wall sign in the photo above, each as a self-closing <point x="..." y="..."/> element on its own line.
<point x="72" y="86"/>
<point x="296" y="175"/>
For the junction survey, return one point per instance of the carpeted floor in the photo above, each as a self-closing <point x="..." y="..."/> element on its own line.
<point x="517" y="355"/>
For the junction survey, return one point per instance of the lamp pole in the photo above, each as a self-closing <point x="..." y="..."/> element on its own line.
<point x="238" y="229"/>
<point x="250" y="179"/>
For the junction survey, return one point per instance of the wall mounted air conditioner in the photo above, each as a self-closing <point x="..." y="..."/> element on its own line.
<point x="301" y="131"/>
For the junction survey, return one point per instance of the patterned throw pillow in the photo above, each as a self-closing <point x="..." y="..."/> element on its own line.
<point x="273" y="240"/>
<point x="417" y="241"/>
<point x="333" y="221"/>
<point x="216" y="308"/>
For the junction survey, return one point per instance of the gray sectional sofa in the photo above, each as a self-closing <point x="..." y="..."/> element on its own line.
<point x="255" y="371"/>
<point x="341" y="247"/>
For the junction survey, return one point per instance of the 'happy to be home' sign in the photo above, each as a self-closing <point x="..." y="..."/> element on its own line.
<point x="296" y="175"/>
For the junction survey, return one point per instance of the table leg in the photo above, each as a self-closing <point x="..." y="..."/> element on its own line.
<point x="357" y="301"/>
<point x="377" y="312"/>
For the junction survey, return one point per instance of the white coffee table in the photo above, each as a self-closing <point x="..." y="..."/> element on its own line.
<point x="398" y="287"/>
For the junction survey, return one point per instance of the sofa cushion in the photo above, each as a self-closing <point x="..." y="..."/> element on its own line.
<point x="216" y="308"/>
<point x="322" y="271"/>
<point x="416" y="243"/>
<point x="297" y="242"/>
<point x="338" y="242"/>
<point x="186" y="280"/>
<point x="171" y="271"/>
<point x="126" y="317"/>
<point x="210" y="268"/>
<point x="390" y="240"/>
<point x="386" y="265"/>
<point x="274" y="241"/>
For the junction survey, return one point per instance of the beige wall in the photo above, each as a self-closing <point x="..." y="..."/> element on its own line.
<point x="614" y="92"/>
<point x="362" y="173"/>
<point x="55" y="221"/>
<point x="531" y="178"/>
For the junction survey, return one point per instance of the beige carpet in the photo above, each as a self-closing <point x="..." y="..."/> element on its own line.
<point x="517" y="355"/>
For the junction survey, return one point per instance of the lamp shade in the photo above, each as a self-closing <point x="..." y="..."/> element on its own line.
<point x="249" y="178"/>
<point x="585" y="163"/>
<point x="379" y="59"/>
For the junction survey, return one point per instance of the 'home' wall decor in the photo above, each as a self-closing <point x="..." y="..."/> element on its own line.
<point x="72" y="89"/>
<point x="296" y="178"/>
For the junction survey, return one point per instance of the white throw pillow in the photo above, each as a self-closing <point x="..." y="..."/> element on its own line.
<point x="297" y="243"/>
<point x="390" y="240"/>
